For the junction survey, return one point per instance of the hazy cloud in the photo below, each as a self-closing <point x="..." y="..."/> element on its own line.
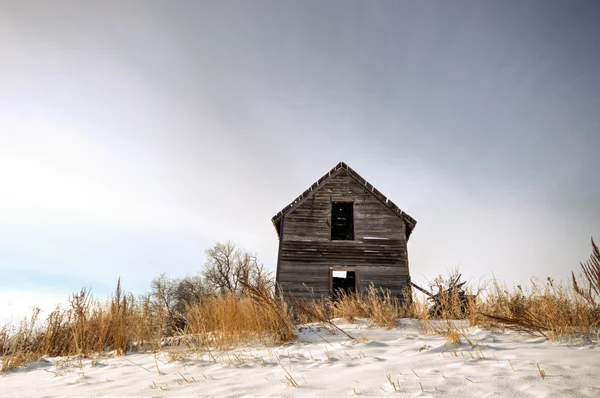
<point x="135" y="135"/>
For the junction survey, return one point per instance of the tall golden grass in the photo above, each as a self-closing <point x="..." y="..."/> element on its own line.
<point x="553" y="310"/>
<point x="557" y="311"/>
<point x="122" y="323"/>
<point x="226" y="320"/>
<point x="88" y="326"/>
<point x="378" y="305"/>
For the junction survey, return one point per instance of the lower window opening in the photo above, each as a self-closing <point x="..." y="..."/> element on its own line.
<point x="343" y="281"/>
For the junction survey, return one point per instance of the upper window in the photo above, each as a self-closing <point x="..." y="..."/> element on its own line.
<point x="342" y="221"/>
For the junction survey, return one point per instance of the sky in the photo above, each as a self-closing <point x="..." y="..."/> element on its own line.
<point x="135" y="135"/>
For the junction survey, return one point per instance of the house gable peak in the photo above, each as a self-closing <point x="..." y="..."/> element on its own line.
<point x="410" y="222"/>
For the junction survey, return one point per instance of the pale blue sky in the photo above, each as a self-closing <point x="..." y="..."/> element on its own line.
<point x="134" y="135"/>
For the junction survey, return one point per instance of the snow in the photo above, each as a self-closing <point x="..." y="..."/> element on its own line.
<point x="327" y="364"/>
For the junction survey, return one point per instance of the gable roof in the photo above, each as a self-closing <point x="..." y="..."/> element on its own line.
<point x="410" y="222"/>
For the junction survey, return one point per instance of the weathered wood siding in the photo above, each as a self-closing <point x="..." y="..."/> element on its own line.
<point x="306" y="252"/>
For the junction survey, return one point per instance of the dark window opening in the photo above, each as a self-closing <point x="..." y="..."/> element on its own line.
<point x="343" y="282"/>
<point x="342" y="221"/>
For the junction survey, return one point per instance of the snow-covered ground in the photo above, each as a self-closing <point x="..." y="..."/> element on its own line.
<point x="401" y="362"/>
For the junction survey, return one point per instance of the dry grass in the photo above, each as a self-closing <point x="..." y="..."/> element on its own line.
<point x="378" y="305"/>
<point x="556" y="311"/>
<point x="588" y="286"/>
<point x="224" y="321"/>
<point x="553" y="310"/>
<point x="121" y="323"/>
<point x="85" y="328"/>
<point x="452" y="336"/>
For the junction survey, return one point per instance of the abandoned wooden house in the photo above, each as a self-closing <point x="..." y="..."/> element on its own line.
<point x="342" y="234"/>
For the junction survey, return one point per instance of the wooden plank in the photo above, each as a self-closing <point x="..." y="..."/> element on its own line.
<point x="281" y="235"/>
<point x="324" y="258"/>
<point x="399" y="244"/>
<point x="359" y="252"/>
<point x="292" y="267"/>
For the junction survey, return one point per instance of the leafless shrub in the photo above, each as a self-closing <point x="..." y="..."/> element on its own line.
<point x="229" y="270"/>
<point x="170" y="299"/>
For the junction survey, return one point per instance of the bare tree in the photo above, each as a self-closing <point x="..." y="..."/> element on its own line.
<point x="163" y="302"/>
<point x="228" y="270"/>
<point x="171" y="298"/>
<point x="188" y="291"/>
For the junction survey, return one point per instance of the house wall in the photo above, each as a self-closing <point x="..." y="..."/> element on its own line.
<point x="306" y="252"/>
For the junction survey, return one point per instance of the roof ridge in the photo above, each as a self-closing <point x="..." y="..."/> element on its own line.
<point x="368" y="186"/>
